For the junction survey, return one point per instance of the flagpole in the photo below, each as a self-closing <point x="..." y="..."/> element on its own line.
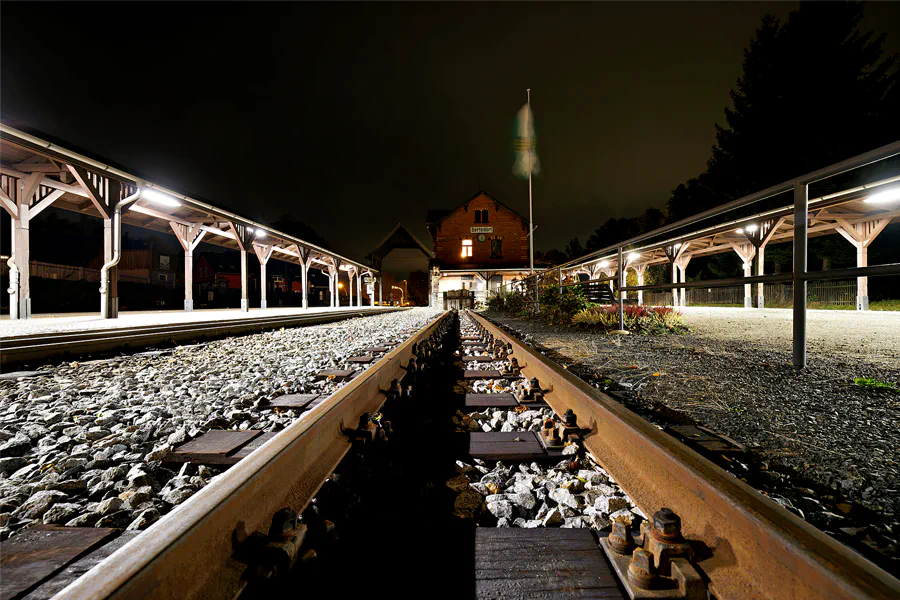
<point x="530" y="210"/>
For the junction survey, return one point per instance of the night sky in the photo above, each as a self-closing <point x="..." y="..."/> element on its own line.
<point x="357" y="116"/>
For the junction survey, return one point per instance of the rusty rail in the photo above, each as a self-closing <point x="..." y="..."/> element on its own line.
<point x="188" y="553"/>
<point x="758" y="549"/>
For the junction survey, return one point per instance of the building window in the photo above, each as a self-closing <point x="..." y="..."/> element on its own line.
<point x="467" y="248"/>
<point x="163" y="277"/>
<point x="484" y="218"/>
<point x="496" y="248"/>
<point x="478" y="216"/>
<point x="163" y="263"/>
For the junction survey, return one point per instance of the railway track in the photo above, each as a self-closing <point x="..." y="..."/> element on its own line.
<point x="25" y="349"/>
<point x="744" y="545"/>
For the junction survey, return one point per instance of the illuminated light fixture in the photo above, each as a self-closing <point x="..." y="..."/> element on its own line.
<point x="159" y="198"/>
<point x="634" y="256"/>
<point x="260" y="233"/>
<point x="752" y="227"/>
<point x="891" y="195"/>
<point x="603" y="263"/>
<point x="739" y="230"/>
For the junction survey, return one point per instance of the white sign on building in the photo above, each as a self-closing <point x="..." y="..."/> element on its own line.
<point x="474" y="229"/>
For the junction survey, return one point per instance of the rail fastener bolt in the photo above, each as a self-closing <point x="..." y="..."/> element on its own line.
<point x="620" y="540"/>
<point x="641" y="571"/>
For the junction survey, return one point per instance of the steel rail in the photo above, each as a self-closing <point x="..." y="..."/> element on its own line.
<point x="25" y="348"/>
<point x="758" y="549"/>
<point x="188" y="553"/>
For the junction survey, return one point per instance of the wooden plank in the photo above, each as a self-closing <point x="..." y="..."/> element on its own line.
<point x="471" y="338"/>
<point x="245" y="450"/>
<point x="487" y="400"/>
<point x="377" y="349"/>
<point x="487" y="374"/>
<point x="34" y="555"/>
<point x="295" y="401"/>
<point x="337" y="375"/>
<point x="482" y="358"/>
<point x="512" y="445"/>
<point x="56" y="584"/>
<point x="541" y="563"/>
<point x="361" y="360"/>
<point x="473" y="343"/>
<point x="212" y="447"/>
<point x="706" y="439"/>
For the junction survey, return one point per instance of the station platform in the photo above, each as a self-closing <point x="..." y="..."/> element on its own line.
<point x="70" y="322"/>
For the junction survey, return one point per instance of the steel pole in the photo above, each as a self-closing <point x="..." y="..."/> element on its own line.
<point x="621" y="270"/>
<point x="801" y="207"/>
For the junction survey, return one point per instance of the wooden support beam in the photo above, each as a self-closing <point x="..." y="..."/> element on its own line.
<point x="47" y="201"/>
<point x="9" y="204"/>
<point x="94" y="192"/>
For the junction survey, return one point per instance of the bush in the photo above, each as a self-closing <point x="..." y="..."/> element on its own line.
<point x="637" y="318"/>
<point x="559" y="309"/>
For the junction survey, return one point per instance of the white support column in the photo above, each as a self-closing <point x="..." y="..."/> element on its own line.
<point x="760" y="270"/>
<point x="380" y="290"/>
<point x="359" y="290"/>
<point x="263" y="253"/>
<point x="245" y="304"/>
<point x="639" y="271"/>
<point x="746" y="252"/>
<point x="861" y="234"/>
<point x="350" y="287"/>
<point x="189" y="237"/>
<point x="21" y="243"/>
<point x="682" y="264"/>
<point x="674" y="281"/>
<point x="305" y="263"/>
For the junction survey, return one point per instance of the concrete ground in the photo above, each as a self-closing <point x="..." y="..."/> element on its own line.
<point x="870" y="335"/>
<point x="56" y="323"/>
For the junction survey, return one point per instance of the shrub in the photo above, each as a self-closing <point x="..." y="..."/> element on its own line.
<point x="559" y="309"/>
<point x="637" y="318"/>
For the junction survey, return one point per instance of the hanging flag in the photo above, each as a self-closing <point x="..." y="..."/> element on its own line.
<point x="525" y="144"/>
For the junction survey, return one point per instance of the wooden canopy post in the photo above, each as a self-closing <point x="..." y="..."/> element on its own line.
<point x="682" y="264"/>
<point x="351" y="273"/>
<point x="305" y="264"/>
<point x="639" y="271"/>
<point x="263" y="253"/>
<point x="674" y="254"/>
<point x="746" y="252"/>
<point x="380" y="301"/>
<point x="244" y="238"/>
<point x="189" y="237"/>
<point x="861" y="234"/>
<point x="359" y="290"/>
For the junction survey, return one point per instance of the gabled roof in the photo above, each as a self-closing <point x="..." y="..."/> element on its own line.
<point x="434" y="217"/>
<point x="403" y="230"/>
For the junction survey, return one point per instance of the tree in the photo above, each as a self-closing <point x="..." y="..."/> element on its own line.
<point x="814" y="91"/>
<point x="574" y="249"/>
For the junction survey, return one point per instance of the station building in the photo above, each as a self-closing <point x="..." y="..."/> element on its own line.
<point x="477" y="246"/>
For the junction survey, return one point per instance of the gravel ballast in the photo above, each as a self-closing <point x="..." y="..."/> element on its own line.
<point x="82" y="443"/>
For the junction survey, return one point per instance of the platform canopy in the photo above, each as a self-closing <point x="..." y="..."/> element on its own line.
<point x="68" y="180"/>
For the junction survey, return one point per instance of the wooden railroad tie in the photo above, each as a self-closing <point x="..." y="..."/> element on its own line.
<point x="219" y="447"/>
<point x="541" y="563"/>
<point x="489" y="400"/>
<point x="480" y="358"/>
<point x="361" y="360"/>
<point x="337" y="375"/>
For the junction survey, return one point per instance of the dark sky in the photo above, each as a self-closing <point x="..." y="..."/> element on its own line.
<point x="357" y="116"/>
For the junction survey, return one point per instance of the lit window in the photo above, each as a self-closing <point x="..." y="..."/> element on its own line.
<point x="466" y="248"/>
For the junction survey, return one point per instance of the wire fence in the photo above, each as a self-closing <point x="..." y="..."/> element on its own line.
<point x="44" y="270"/>
<point x="776" y="295"/>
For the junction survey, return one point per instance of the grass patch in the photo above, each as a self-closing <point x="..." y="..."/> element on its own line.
<point x="874" y="384"/>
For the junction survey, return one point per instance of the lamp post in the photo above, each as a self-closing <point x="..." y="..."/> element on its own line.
<point x="399" y="289"/>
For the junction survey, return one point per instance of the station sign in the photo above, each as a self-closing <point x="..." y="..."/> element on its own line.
<point x="481" y="229"/>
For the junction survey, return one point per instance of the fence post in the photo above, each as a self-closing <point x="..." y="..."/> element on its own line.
<point x="801" y="208"/>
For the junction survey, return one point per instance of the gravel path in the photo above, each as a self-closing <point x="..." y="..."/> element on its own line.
<point x="733" y="373"/>
<point x="82" y="444"/>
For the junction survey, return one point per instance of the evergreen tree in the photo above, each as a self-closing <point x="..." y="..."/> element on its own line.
<point x="814" y="91"/>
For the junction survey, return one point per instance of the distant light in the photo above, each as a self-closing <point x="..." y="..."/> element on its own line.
<point x="739" y="230"/>
<point x="159" y="198"/>
<point x="634" y="256"/>
<point x="891" y="195"/>
<point x="260" y="233"/>
<point x="603" y="263"/>
<point x="752" y="227"/>
<point x="341" y="285"/>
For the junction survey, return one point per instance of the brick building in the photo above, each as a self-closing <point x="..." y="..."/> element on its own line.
<point x="477" y="246"/>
